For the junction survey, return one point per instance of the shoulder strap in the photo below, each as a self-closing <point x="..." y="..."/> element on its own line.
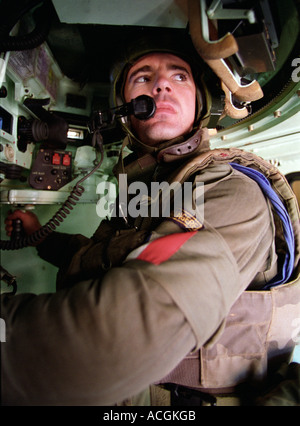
<point x="278" y="206"/>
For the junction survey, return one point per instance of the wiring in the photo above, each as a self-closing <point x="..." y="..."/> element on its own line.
<point x="62" y="213"/>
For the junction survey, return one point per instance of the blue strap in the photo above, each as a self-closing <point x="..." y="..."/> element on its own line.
<point x="287" y="269"/>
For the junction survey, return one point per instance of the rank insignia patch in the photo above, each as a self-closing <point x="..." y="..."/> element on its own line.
<point x="186" y="221"/>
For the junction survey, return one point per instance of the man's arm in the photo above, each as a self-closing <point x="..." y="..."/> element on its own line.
<point x="99" y="343"/>
<point x="103" y="341"/>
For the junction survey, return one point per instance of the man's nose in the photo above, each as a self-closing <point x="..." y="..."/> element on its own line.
<point x="161" y="84"/>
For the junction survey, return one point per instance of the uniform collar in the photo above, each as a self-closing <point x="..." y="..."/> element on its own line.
<point x="145" y="159"/>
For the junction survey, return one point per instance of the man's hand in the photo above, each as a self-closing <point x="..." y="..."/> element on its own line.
<point x="29" y="220"/>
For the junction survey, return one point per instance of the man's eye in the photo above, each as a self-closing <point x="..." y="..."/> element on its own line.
<point x="142" y="79"/>
<point x="180" y="77"/>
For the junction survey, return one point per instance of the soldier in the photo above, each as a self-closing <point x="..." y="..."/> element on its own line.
<point x="182" y="299"/>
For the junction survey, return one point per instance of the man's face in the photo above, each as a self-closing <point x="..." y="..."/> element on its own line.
<point x="168" y="79"/>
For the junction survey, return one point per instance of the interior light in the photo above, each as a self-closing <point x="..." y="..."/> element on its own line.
<point x="75" y="134"/>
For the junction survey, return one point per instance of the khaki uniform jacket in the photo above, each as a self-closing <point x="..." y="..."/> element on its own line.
<point x="106" y="335"/>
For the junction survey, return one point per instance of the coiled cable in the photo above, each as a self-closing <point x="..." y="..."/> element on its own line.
<point x="61" y="214"/>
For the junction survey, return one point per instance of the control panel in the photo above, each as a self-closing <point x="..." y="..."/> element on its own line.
<point x="51" y="170"/>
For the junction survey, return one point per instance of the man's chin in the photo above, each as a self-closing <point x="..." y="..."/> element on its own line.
<point x="159" y="132"/>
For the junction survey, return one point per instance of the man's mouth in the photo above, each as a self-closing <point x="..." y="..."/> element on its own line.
<point x="165" y="107"/>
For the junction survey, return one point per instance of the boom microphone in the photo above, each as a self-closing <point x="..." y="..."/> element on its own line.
<point x="143" y="107"/>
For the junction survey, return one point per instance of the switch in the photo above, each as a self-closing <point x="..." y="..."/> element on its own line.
<point x="47" y="157"/>
<point x="56" y="158"/>
<point x="66" y="160"/>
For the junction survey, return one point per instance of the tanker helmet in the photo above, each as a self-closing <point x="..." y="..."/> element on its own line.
<point x="176" y="42"/>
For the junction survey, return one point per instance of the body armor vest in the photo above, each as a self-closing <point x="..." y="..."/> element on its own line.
<point x="261" y="328"/>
